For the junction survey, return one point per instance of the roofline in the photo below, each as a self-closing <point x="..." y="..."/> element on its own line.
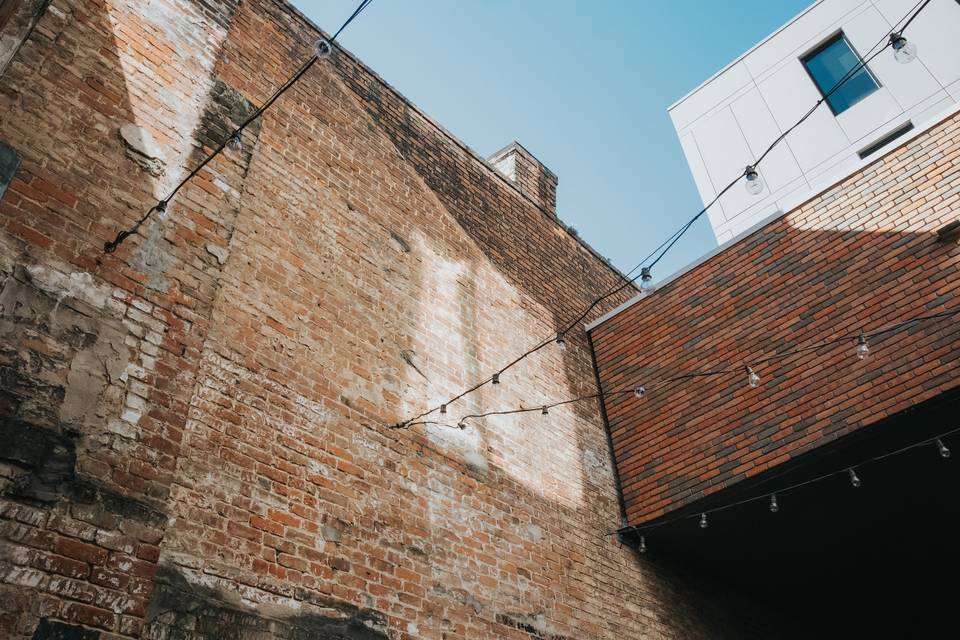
<point x="743" y="55"/>
<point x="825" y="183"/>
<point x="287" y="5"/>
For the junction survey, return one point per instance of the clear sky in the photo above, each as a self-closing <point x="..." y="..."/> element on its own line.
<point x="584" y="85"/>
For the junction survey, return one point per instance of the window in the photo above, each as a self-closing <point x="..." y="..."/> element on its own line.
<point x="829" y="63"/>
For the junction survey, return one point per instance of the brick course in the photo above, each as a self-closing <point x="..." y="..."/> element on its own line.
<point x="199" y="419"/>
<point x="861" y="255"/>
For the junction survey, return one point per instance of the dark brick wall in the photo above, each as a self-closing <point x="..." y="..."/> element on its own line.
<point x="200" y="417"/>
<point x="861" y="255"/>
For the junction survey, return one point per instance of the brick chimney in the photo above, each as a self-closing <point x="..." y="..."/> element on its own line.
<point x="520" y="167"/>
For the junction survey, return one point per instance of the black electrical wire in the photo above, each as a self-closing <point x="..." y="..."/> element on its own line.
<point x="885" y="40"/>
<point x="112" y="246"/>
<point x="765" y="496"/>
<point x="907" y="24"/>
<point x="668" y="244"/>
<point x="740" y="368"/>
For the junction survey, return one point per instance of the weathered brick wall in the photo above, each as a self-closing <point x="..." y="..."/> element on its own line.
<point x="861" y="255"/>
<point x="196" y="424"/>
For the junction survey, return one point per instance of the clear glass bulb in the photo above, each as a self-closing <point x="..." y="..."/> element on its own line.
<point x="646" y="280"/>
<point x="752" y="378"/>
<point x="561" y="342"/>
<point x="235" y="144"/>
<point x="944" y="452"/>
<point x="640" y="391"/>
<point x="863" y="349"/>
<point x="443" y="412"/>
<point x="322" y="49"/>
<point x="854" y="480"/>
<point x="495" y="379"/>
<point x="162" y="210"/>
<point x="461" y="425"/>
<point x="904" y="51"/>
<point x="544" y="411"/>
<point x="774" y="507"/>
<point x="754" y="181"/>
<point x="643" y="544"/>
<point x="703" y="521"/>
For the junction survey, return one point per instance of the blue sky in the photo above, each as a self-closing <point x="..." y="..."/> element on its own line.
<point x="583" y="85"/>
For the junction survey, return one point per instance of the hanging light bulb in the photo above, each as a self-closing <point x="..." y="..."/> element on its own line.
<point x="443" y="412"/>
<point x="863" y="349"/>
<point x="646" y="280"/>
<point x="561" y="342"/>
<point x="544" y="411"/>
<point x="461" y="425"/>
<point x="640" y="391"/>
<point x="754" y="181"/>
<point x="944" y="452"/>
<point x="495" y="379"/>
<point x="774" y="507"/>
<point x="235" y="144"/>
<point x="322" y="49"/>
<point x="161" y="208"/>
<point x="752" y="378"/>
<point x="643" y="544"/>
<point x="904" y="51"/>
<point x="703" y="521"/>
<point x="854" y="480"/>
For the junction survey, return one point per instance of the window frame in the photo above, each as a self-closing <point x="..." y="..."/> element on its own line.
<point x="820" y="48"/>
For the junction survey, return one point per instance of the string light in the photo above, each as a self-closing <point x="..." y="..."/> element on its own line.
<point x="752" y="378"/>
<point x="944" y="452"/>
<point x="544" y="410"/>
<point x="773" y="505"/>
<point x="646" y="280"/>
<point x="703" y="521"/>
<point x="643" y="544"/>
<point x="863" y="349"/>
<point x="754" y="181"/>
<point x="322" y="49"/>
<point x="235" y="144"/>
<point x="854" y="480"/>
<point x="162" y="210"/>
<point x="904" y="51"/>
<point x="657" y="254"/>
<point x="561" y="342"/>
<point x="443" y="411"/>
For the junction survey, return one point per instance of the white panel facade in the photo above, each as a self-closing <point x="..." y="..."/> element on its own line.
<point x="727" y="122"/>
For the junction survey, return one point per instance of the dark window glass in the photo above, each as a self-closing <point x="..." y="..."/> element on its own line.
<point x="829" y="64"/>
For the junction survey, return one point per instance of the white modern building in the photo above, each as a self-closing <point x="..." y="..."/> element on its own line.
<point x="727" y="122"/>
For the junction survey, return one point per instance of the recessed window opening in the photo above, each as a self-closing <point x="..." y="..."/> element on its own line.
<point x="833" y="61"/>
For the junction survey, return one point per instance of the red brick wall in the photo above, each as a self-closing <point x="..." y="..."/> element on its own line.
<point x="859" y="256"/>
<point x="197" y="422"/>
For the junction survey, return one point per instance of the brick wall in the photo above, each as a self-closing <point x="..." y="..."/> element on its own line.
<point x="196" y="423"/>
<point x="861" y="255"/>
